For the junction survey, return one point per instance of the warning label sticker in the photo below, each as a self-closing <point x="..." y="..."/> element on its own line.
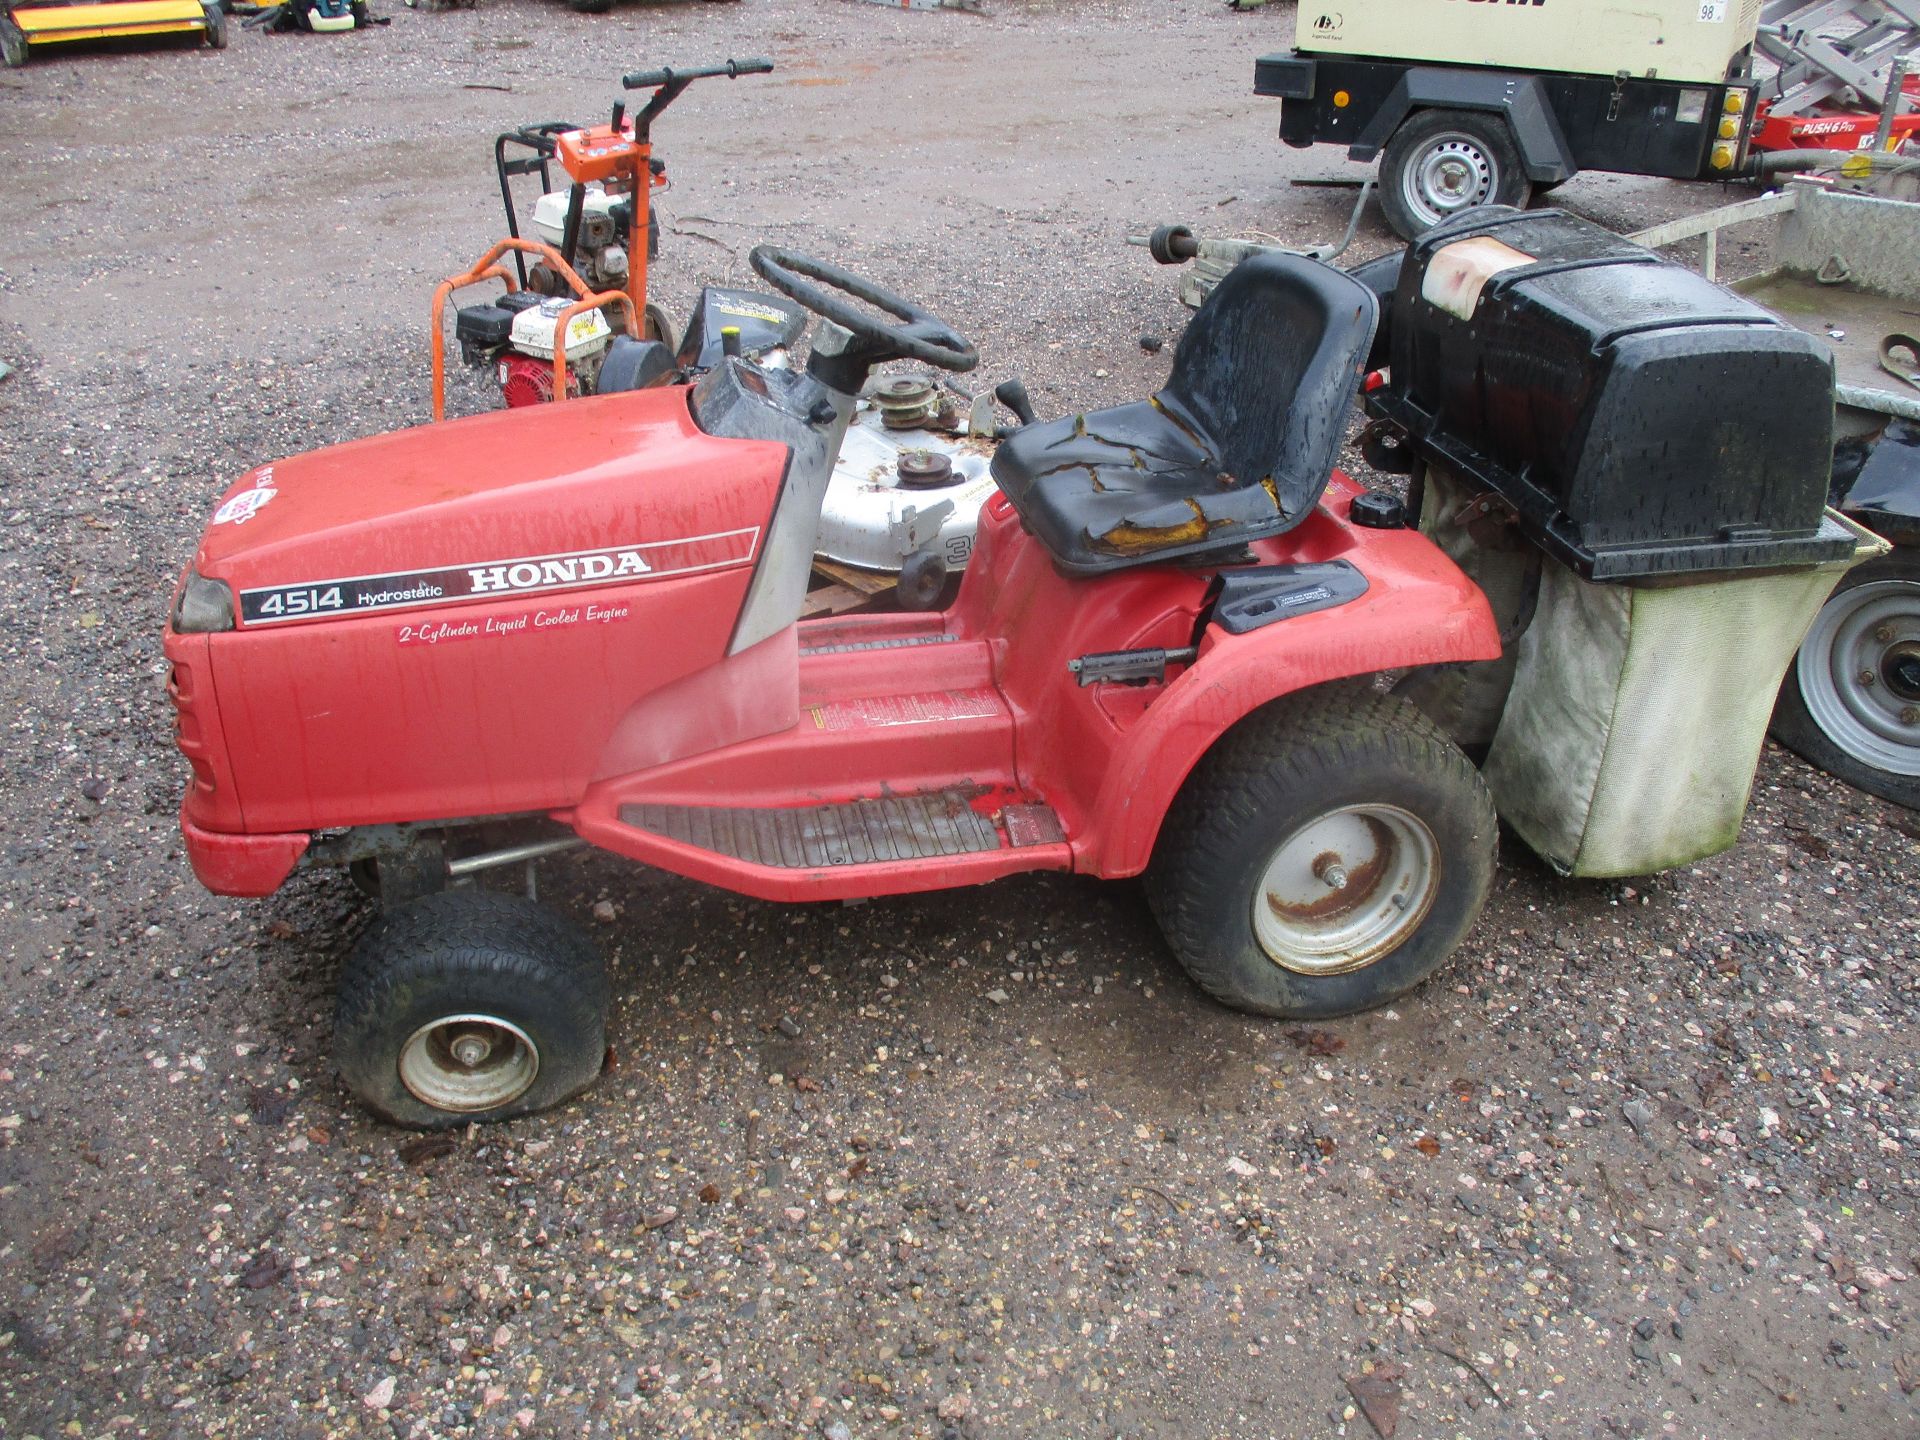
<point x="881" y="710"/>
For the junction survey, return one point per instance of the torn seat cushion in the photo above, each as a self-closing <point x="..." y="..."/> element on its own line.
<point x="1237" y="447"/>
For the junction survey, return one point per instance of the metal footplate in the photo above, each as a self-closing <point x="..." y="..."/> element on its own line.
<point x="860" y="832"/>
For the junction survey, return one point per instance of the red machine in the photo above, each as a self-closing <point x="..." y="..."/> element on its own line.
<point x="604" y="229"/>
<point x="473" y="644"/>
<point x="1832" y="128"/>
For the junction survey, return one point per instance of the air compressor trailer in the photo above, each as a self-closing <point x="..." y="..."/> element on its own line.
<point x="1484" y="102"/>
<point x="1480" y="102"/>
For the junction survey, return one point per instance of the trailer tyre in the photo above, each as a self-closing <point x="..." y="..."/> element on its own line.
<point x="470" y="1006"/>
<point x="1440" y="162"/>
<point x="1327" y="855"/>
<point x="13" y="44"/>
<point x="1846" y="696"/>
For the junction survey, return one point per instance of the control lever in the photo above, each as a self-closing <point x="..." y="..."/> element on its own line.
<point x="1013" y="394"/>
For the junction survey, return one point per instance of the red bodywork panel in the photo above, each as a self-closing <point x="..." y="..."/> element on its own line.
<point x="992" y="708"/>
<point x="497" y="701"/>
<point x="554" y="673"/>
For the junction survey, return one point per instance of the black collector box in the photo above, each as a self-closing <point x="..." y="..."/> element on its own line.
<point x="1642" y="420"/>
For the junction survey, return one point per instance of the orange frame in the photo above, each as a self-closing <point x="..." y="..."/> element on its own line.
<point x="601" y="152"/>
<point x="485" y="269"/>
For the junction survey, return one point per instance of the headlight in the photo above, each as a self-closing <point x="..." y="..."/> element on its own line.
<point x="204" y="606"/>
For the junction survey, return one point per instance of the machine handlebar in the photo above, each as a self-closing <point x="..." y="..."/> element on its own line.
<point x="669" y="75"/>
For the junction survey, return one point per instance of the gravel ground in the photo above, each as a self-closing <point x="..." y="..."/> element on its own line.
<point x="1641" y="1163"/>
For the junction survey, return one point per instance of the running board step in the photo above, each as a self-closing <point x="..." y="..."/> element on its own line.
<point x="859" y="832"/>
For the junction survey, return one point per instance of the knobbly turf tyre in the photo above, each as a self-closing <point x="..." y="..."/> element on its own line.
<point x="1826" y="715"/>
<point x="13" y="44"/>
<point x="1440" y="162"/>
<point x="1338" y="785"/>
<point x="511" y="979"/>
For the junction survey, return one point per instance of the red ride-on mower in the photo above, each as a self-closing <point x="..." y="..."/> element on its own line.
<point x="472" y="644"/>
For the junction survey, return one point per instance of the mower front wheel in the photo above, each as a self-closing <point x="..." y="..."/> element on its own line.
<point x="1327" y="855"/>
<point x="467" y="1006"/>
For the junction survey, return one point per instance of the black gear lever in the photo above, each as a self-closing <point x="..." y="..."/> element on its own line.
<point x="1013" y="394"/>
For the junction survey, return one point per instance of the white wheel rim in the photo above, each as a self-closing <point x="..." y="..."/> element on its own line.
<point x="1346" y="889"/>
<point x="467" y="1063"/>
<point x="1859" y="672"/>
<point x="1450" y="173"/>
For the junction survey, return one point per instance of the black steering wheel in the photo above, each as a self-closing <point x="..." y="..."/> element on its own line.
<point x="920" y="336"/>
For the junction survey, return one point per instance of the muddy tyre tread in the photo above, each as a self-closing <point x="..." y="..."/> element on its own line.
<point x="1260" y="769"/>
<point x="470" y="949"/>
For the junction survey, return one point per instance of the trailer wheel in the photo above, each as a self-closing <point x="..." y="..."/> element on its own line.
<point x="13" y="44"/>
<point x="1851" y="700"/>
<point x="1440" y="162"/>
<point x="470" y="1006"/>
<point x="1327" y="855"/>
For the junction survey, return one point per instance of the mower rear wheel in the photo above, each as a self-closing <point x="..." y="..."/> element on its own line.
<point x="13" y="44"/>
<point x="1327" y="855"/>
<point x="470" y="1006"/>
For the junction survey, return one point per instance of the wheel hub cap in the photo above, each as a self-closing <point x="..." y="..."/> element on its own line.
<point x="1450" y="175"/>
<point x="468" y="1063"/>
<point x="1345" y="889"/>
<point x="1859" y="673"/>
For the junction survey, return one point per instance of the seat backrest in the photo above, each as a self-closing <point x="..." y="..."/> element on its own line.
<point x="1268" y="369"/>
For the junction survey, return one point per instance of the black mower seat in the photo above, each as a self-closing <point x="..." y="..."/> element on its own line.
<point x="1237" y="447"/>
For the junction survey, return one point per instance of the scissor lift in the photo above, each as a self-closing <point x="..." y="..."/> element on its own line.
<point x="1840" y="66"/>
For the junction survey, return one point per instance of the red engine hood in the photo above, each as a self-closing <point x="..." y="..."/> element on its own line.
<point x="595" y="491"/>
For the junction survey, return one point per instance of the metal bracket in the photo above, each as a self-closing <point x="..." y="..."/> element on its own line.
<point x="1129" y="667"/>
<point x="918" y="529"/>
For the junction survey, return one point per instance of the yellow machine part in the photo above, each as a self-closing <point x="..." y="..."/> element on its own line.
<point x="48" y="24"/>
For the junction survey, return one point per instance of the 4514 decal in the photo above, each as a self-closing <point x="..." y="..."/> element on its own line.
<point x="293" y="600"/>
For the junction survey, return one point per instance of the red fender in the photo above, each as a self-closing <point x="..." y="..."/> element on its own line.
<point x="1419" y="609"/>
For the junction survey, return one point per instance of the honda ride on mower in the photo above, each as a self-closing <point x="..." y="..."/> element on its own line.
<point x="472" y="644"/>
